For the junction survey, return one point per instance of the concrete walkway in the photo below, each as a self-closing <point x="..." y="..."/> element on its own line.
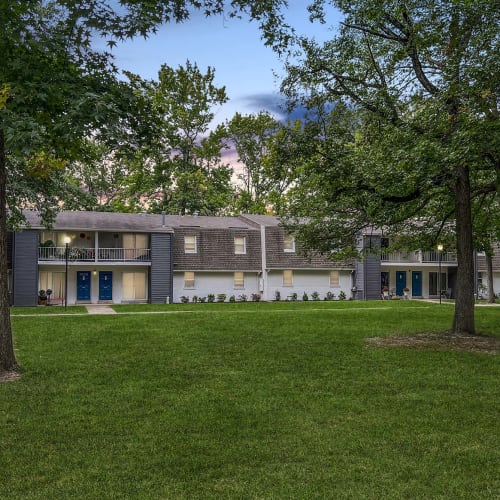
<point x="99" y="309"/>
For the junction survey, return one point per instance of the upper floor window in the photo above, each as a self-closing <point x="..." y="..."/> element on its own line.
<point x="289" y="243"/>
<point x="287" y="277"/>
<point x="190" y="243"/>
<point x="135" y="240"/>
<point x="239" y="279"/>
<point x="240" y="245"/>
<point x="334" y="278"/>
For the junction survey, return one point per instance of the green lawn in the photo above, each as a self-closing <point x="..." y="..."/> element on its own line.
<point x="249" y="401"/>
<point x="23" y="311"/>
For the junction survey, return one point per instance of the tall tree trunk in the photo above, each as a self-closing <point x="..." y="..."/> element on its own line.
<point x="7" y="358"/>
<point x="463" y="321"/>
<point x="489" y="273"/>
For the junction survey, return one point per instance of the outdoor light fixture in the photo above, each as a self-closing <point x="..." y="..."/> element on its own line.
<point x="440" y="253"/>
<point x="67" y="241"/>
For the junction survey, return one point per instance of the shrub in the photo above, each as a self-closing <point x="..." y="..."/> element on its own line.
<point x="315" y="296"/>
<point x="232" y="299"/>
<point x="294" y="297"/>
<point x="184" y="299"/>
<point x="221" y="297"/>
<point x="202" y="299"/>
<point x="256" y="297"/>
<point x="329" y="296"/>
<point x="305" y="297"/>
<point x="211" y="297"/>
<point x="195" y="299"/>
<point x="277" y="295"/>
<point x="242" y="298"/>
<point x="342" y="295"/>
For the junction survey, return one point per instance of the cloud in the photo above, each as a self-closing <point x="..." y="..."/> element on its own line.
<point x="275" y="104"/>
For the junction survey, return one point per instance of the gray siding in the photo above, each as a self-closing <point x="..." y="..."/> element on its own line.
<point x="368" y="269"/>
<point x="9" y="250"/>
<point x="25" y="268"/>
<point x="161" y="268"/>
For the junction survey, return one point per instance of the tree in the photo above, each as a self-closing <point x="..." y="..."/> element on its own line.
<point x="179" y="151"/>
<point x="287" y="150"/>
<point x="250" y="135"/>
<point x="53" y="90"/>
<point x="417" y="138"/>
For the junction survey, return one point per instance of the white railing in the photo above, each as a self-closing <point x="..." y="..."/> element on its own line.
<point x="418" y="257"/>
<point x="434" y="257"/>
<point x="88" y="254"/>
<point x="124" y="254"/>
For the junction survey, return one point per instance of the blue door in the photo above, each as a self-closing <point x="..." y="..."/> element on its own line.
<point x="105" y="285"/>
<point x="400" y="282"/>
<point x="83" y="285"/>
<point x="416" y="283"/>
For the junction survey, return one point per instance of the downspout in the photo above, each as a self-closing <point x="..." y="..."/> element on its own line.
<point x="263" y="260"/>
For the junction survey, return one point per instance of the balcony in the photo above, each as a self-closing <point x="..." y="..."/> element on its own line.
<point x="418" y="257"/>
<point x="57" y="254"/>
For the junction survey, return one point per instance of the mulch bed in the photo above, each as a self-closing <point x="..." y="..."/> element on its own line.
<point x="9" y="376"/>
<point x="432" y="340"/>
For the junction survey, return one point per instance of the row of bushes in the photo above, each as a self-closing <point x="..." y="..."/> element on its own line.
<point x="314" y="296"/>
<point x="255" y="297"/>
<point x="221" y="297"/>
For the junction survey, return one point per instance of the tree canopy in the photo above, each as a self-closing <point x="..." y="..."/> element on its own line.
<point x="405" y="97"/>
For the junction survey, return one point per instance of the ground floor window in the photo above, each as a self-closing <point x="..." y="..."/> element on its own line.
<point x="287" y="277"/>
<point x="239" y="279"/>
<point x="434" y="283"/>
<point x="334" y="278"/>
<point x="135" y="285"/>
<point x="188" y="279"/>
<point x="54" y="281"/>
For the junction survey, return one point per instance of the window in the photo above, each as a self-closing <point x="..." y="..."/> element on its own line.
<point x="134" y="286"/>
<point x="334" y="278"/>
<point x="240" y="245"/>
<point x="52" y="281"/>
<point x="289" y="243"/>
<point x="52" y="238"/>
<point x="287" y="277"/>
<point x="190" y="243"/>
<point x="434" y="284"/>
<point x="188" y="279"/>
<point x="135" y="245"/>
<point x="239" y="280"/>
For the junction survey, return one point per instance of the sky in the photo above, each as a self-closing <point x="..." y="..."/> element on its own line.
<point x="232" y="46"/>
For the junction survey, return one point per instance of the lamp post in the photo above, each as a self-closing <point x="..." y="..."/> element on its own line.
<point x="66" y="240"/>
<point x="440" y="253"/>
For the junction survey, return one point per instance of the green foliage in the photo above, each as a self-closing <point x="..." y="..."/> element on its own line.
<point x="250" y="135"/>
<point x="179" y="166"/>
<point x="405" y="129"/>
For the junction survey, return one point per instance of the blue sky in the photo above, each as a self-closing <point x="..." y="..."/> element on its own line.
<point x="232" y="46"/>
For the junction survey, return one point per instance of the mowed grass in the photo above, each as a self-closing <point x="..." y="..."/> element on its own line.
<point x="262" y="401"/>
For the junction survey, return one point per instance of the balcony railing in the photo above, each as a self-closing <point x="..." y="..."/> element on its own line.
<point x="89" y="254"/>
<point x="418" y="257"/>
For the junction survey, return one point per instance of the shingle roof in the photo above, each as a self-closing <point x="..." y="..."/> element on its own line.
<point x="262" y="220"/>
<point x="206" y="222"/>
<point x="104" y="221"/>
